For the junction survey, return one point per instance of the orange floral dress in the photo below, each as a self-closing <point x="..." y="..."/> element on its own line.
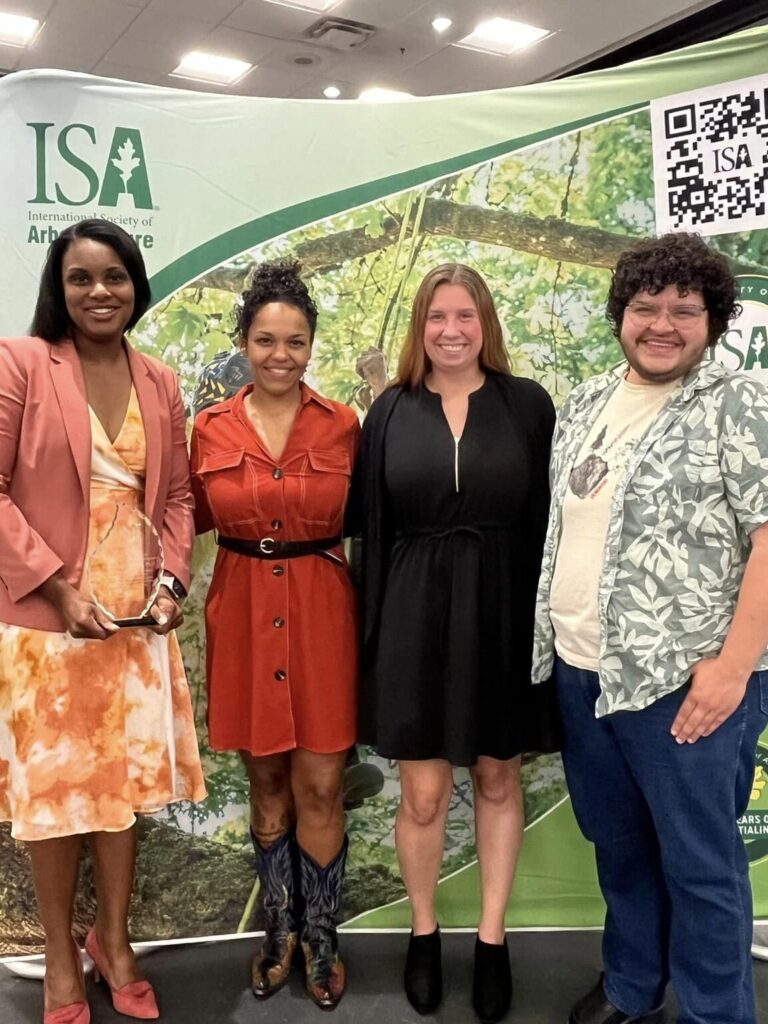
<point x="94" y="731"/>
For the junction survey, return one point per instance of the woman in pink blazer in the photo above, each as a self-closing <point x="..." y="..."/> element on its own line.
<point x="96" y="722"/>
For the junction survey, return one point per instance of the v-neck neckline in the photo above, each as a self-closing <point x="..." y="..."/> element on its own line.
<point x="246" y="420"/>
<point x="436" y="396"/>
<point x="131" y="399"/>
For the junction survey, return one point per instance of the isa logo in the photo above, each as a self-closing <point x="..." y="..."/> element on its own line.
<point x="744" y="346"/>
<point x="73" y="169"/>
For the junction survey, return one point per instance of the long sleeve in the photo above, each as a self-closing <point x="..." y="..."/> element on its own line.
<point x="26" y="560"/>
<point x="203" y="514"/>
<point x="178" y="528"/>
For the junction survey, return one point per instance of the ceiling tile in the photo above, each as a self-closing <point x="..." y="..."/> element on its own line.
<point x="401" y="49"/>
<point x="282" y="53"/>
<point x="127" y="73"/>
<point x="157" y="42"/>
<point x="72" y="39"/>
<point x="271" y="19"/>
<point x="232" y="42"/>
<point x="29" y="8"/>
<point x="269" y="82"/>
<point x="10" y="57"/>
<point x="147" y="56"/>
<point x="373" y="12"/>
<point x="157" y="25"/>
<point x="457" y="70"/>
<point x="363" y="71"/>
<point x="213" y="11"/>
<point x="465" y="17"/>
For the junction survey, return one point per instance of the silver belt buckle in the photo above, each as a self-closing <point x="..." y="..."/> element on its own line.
<point x="267" y="546"/>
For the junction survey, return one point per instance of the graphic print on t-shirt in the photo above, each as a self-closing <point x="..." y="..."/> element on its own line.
<point x="589" y="477"/>
<point x="602" y="461"/>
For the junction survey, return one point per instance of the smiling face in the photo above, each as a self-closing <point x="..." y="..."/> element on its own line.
<point x="98" y="291"/>
<point x="278" y="346"/>
<point x="453" y="333"/>
<point x="663" y="334"/>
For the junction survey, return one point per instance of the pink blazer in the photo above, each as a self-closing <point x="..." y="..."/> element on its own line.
<point x="45" y="467"/>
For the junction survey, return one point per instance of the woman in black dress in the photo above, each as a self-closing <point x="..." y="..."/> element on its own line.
<point x="452" y="495"/>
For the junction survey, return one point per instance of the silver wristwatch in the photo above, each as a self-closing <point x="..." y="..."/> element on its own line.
<point x="168" y="580"/>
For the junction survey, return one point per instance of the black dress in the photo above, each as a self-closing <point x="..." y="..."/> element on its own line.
<point x="449" y="652"/>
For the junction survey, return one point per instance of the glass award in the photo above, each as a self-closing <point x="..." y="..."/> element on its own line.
<point x="124" y="567"/>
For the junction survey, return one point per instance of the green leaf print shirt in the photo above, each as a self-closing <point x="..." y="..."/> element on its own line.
<point x="692" y="491"/>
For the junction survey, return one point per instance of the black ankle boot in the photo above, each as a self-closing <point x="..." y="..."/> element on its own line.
<point x="424" y="972"/>
<point x="492" y="981"/>
<point x="321" y="891"/>
<point x="271" y="965"/>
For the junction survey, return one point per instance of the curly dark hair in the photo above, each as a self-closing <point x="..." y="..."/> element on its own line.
<point x="277" y="281"/>
<point x="682" y="259"/>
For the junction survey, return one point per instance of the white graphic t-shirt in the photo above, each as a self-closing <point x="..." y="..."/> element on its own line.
<point x="626" y="417"/>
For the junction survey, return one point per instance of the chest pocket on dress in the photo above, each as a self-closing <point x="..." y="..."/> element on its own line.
<point x="231" y="486"/>
<point x="325" y="483"/>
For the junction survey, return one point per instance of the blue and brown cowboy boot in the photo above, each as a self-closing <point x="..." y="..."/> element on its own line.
<point x="321" y="892"/>
<point x="271" y="965"/>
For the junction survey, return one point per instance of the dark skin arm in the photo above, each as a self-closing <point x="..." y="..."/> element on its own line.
<point x="82" y="618"/>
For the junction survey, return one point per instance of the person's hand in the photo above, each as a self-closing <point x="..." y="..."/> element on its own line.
<point x="83" y="620"/>
<point x="166" y="611"/>
<point x="716" y="691"/>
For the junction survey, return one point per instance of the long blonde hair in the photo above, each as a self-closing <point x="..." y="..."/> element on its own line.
<point x="414" y="363"/>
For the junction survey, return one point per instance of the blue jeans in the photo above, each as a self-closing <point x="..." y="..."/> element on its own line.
<point x="672" y="865"/>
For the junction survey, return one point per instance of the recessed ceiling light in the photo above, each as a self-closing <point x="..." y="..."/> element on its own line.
<point x="502" y="36"/>
<point x="377" y="95"/>
<point x="441" y="24"/>
<point x="207" y="67"/>
<point x="332" y="92"/>
<point x="17" y="30"/>
<point x="320" y="6"/>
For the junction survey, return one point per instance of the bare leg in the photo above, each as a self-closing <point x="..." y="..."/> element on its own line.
<point x="114" y="862"/>
<point x="499" y="820"/>
<point x="272" y="810"/>
<point x="426" y="788"/>
<point x="55" y="865"/>
<point x="317" y="781"/>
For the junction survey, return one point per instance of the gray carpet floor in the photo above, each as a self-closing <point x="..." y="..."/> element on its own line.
<point x="208" y="984"/>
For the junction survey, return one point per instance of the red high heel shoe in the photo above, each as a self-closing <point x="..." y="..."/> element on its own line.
<point x="72" y="1013"/>
<point x="136" y="999"/>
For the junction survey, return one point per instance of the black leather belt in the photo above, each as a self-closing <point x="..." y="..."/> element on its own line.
<point x="272" y="550"/>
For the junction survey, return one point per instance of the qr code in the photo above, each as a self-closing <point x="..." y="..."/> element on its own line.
<point x="710" y="154"/>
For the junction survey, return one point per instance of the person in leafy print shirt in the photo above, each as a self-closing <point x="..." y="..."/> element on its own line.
<point x="652" y="613"/>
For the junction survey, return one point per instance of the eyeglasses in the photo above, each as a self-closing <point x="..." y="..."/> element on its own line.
<point x="678" y="316"/>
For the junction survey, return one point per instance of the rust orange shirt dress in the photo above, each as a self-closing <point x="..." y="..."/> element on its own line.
<point x="281" y="635"/>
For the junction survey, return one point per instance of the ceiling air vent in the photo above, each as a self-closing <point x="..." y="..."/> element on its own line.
<point x="339" y="33"/>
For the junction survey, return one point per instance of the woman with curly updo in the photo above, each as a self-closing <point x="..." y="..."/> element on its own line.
<point x="271" y="469"/>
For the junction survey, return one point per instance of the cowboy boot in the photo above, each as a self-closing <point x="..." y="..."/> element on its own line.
<point x="271" y="965"/>
<point x="321" y="890"/>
